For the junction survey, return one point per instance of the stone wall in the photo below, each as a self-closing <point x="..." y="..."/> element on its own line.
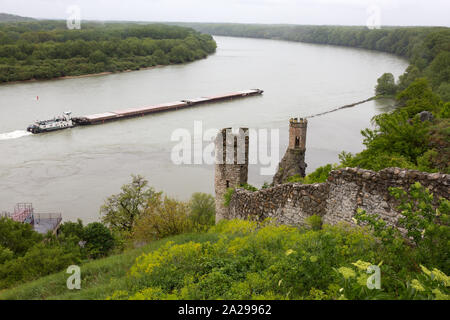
<point x="337" y="199"/>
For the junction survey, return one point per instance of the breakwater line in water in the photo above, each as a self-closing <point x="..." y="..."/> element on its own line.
<point x="340" y="108"/>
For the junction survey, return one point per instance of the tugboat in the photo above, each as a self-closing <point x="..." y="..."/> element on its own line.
<point x="57" y="123"/>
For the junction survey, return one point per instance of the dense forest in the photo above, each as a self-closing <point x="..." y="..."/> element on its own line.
<point x="401" y="138"/>
<point x="47" y="49"/>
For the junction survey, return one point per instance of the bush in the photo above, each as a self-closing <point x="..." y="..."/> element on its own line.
<point x="386" y="85"/>
<point x="99" y="240"/>
<point x="318" y="176"/>
<point x="17" y="237"/>
<point x="426" y="228"/>
<point x="202" y="211"/>
<point x="314" y="222"/>
<point x="40" y="260"/>
<point x="163" y="217"/>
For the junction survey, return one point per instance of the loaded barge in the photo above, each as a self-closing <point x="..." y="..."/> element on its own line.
<point x="58" y="124"/>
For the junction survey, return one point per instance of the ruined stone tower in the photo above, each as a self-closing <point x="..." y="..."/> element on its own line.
<point x="293" y="162"/>
<point x="231" y="165"/>
<point x="297" y="133"/>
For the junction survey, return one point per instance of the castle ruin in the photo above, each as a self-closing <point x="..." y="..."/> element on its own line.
<point x="335" y="200"/>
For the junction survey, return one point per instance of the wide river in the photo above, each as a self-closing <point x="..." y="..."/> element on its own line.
<point x="74" y="171"/>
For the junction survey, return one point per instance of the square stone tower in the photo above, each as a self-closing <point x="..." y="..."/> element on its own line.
<point x="297" y="133"/>
<point x="293" y="162"/>
<point x="231" y="168"/>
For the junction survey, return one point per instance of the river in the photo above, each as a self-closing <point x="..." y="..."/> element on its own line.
<point x="74" y="171"/>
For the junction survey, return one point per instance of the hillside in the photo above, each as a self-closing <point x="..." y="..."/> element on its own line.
<point x="245" y="260"/>
<point x="6" y="17"/>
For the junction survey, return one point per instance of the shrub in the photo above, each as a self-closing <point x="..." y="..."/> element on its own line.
<point x="163" y="217"/>
<point x="227" y="196"/>
<point x="318" y="176"/>
<point x="202" y="211"/>
<point x="427" y="228"/>
<point x="99" y="240"/>
<point x="314" y="222"/>
<point x="17" y="237"/>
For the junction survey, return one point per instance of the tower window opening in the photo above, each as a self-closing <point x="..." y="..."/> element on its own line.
<point x="297" y="142"/>
<point x="228" y="183"/>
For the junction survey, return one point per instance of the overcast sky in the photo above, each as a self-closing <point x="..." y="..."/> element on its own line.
<point x="342" y="12"/>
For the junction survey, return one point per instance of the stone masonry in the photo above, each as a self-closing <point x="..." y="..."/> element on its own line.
<point x="337" y="199"/>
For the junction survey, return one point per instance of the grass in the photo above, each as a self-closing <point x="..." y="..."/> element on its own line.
<point x="99" y="278"/>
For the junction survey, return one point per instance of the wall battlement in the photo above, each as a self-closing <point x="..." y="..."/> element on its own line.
<point x="337" y="199"/>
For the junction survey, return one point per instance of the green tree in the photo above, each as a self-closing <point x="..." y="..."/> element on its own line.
<point x="163" y="217"/>
<point x="203" y="211"/>
<point x="97" y="56"/>
<point x="99" y="240"/>
<point x="120" y="211"/>
<point x="386" y="85"/>
<point x="17" y="237"/>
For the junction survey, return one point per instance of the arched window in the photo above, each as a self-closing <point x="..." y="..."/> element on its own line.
<point x="297" y="142"/>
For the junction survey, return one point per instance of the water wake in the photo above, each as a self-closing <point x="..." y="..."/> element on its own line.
<point x="14" y="135"/>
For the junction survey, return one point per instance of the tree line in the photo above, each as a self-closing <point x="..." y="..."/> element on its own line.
<point x="47" y="49"/>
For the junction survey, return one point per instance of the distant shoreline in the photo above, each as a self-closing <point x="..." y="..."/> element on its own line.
<point x="87" y="75"/>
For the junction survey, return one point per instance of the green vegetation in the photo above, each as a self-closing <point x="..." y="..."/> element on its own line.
<point x="47" y="49"/>
<point x="26" y="255"/>
<point x="318" y="176"/>
<point x="139" y="214"/>
<point x="240" y="259"/>
<point x="386" y="85"/>
<point x="99" y="278"/>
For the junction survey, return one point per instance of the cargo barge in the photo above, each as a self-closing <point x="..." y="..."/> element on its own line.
<point x="176" y="105"/>
<point x="67" y="121"/>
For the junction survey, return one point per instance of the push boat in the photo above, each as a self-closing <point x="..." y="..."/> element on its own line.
<point x="57" y="123"/>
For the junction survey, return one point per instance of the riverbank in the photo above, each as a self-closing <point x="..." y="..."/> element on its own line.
<point x="84" y="75"/>
<point x="43" y="50"/>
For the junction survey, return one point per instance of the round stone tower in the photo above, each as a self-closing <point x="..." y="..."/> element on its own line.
<point x="231" y="169"/>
